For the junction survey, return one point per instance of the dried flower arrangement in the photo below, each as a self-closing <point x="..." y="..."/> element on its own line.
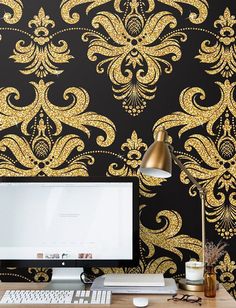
<point x="214" y="252"/>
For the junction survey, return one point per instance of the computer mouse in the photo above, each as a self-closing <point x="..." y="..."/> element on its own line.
<point x="140" y="301"/>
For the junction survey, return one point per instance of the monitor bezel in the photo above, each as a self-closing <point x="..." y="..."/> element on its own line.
<point x="88" y="263"/>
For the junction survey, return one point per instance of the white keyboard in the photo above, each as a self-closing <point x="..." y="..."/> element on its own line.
<point x="56" y="297"/>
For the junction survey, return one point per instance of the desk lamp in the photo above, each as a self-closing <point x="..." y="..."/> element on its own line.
<point x="157" y="162"/>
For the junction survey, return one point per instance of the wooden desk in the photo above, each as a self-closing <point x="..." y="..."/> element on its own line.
<point x="222" y="299"/>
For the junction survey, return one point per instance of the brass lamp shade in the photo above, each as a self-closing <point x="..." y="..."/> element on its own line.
<point x="157" y="160"/>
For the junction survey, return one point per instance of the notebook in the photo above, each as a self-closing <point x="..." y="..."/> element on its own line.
<point x="170" y="287"/>
<point x="134" y="280"/>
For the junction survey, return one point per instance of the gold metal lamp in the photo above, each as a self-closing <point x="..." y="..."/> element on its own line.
<point x="157" y="162"/>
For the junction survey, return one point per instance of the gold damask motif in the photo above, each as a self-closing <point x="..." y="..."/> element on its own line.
<point x="166" y="236"/>
<point x="135" y="61"/>
<point x="217" y="175"/>
<point x="40" y="273"/>
<point x="67" y="5"/>
<point x="135" y="148"/>
<point x="18" y="159"/>
<point x="41" y="54"/>
<point x="134" y="58"/>
<point x="222" y="55"/>
<point x="41" y="143"/>
<point x="159" y="265"/>
<point x="226" y="269"/>
<point x="215" y="166"/>
<point x="16" y="6"/>
<point x="72" y="115"/>
<point x="201" y="5"/>
<point x="194" y="114"/>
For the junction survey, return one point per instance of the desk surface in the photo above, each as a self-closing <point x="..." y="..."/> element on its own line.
<point x="222" y="299"/>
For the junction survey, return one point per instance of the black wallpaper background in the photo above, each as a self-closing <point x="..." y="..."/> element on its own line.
<point x="171" y="195"/>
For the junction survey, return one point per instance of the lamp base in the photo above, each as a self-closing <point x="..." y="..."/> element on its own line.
<point x="191" y="285"/>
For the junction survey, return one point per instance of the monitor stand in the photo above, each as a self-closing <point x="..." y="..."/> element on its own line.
<point x="67" y="278"/>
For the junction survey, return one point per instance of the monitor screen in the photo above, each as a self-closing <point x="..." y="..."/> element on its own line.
<point x="68" y="222"/>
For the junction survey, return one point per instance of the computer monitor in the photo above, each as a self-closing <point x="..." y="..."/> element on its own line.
<point x="69" y="222"/>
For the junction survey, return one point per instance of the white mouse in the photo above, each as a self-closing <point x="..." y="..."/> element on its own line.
<point x="140" y="301"/>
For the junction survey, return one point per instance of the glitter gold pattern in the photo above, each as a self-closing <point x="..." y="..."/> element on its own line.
<point x="215" y="165"/>
<point x="160" y="265"/>
<point x="72" y="115"/>
<point x="226" y="270"/>
<point x="194" y="114"/>
<point x="222" y="55"/>
<point x="40" y="273"/>
<point x="200" y="5"/>
<point x="41" y="54"/>
<point x="135" y="148"/>
<point x="22" y="161"/>
<point x="217" y="174"/>
<point x="14" y="277"/>
<point x="68" y="5"/>
<point x="166" y="237"/>
<point x="16" y="6"/>
<point x="134" y="58"/>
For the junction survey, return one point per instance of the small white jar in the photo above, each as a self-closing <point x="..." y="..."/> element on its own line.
<point x="194" y="270"/>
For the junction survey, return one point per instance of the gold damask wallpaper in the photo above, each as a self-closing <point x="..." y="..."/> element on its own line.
<point x="85" y="85"/>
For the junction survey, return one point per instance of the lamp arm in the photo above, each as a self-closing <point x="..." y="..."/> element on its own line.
<point x="182" y="167"/>
<point x="202" y="194"/>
